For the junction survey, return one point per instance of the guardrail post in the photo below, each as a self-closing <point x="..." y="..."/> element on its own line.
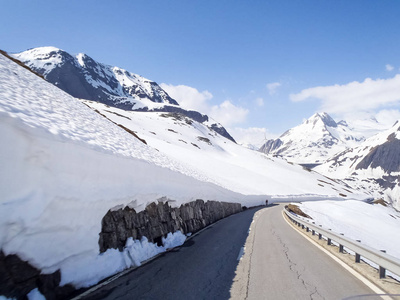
<point x="302" y="226"/>
<point x="329" y="241"/>
<point x="358" y="256"/>
<point x="308" y="229"/>
<point x="341" y="248"/>
<point x="313" y="232"/>
<point x="382" y="271"/>
<point x="319" y="236"/>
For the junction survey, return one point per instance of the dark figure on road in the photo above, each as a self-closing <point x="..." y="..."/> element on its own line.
<point x="266" y="202"/>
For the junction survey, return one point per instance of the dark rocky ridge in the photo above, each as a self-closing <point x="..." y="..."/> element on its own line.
<point x="157" y="220"/>
<point x="78" y="80"/>
<point x="270" y="146"/>
<point x="18" y="278"/>
<point x="385" y="156"/>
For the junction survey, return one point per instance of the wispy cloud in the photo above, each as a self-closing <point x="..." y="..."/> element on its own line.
<point x="389" y="67"/>
<point x="259" y="101"/>
<point x="228" y="114"/>
<point x="253" y="135"/>
<point x="188" y="97"/>
<point x="354" y="96"/>
<point x="272" y="87"/>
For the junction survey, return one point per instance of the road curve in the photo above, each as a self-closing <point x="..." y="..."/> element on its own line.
<point x="203" y="268"/>
<point x="284" y="265"/>
<point x="279" y="264"/>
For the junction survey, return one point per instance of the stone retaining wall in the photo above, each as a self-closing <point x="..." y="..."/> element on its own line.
<point x="157" y="220"/>
<point x="18" y="277"/>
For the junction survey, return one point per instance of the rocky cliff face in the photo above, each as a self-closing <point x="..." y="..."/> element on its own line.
<point x="157" y="220"/>
<point x="83" y="77"/>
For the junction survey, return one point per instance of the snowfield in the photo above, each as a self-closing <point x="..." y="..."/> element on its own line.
<point x="229" y="165"/>
<point x="374" y="225"/>
<point x="64" y="166"/>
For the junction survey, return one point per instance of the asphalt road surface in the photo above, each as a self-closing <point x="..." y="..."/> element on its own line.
<point x="203" y="268"/>
<point x="284" y="265"/>
<point x="281" y="265"/>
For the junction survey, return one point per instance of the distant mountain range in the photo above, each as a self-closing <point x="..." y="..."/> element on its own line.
<point x="314" y="141"/>
<point x="373" y="166"/>
<point x="83" y="77"/>
<point x="366" y="160"/>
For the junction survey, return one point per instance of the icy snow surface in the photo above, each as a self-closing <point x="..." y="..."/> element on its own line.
<point x="64" y="166"/>
<point x="375" y="225"/>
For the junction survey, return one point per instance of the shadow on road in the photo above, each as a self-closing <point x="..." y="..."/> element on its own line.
<point x="202" y="268"/>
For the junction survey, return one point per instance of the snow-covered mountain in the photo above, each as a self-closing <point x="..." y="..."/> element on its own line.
<point x="314" y="141"/>
<point x="373" y="166"/>
<point x="65" y="165"/>
<point x="83" y="77"/>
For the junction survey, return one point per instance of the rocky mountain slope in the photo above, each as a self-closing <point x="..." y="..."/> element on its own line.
<point x="314" y="141"/>
<point x="373" y="166"/>
<point x="83" y="77"/>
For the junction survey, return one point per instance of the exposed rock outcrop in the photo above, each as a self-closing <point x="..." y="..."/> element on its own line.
<point x="157" y="220"/>
<point x="385" y="156"/>
<point x="18" y="278"/>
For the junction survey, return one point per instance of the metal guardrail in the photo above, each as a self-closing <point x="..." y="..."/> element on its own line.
<point x="382" y="259"/>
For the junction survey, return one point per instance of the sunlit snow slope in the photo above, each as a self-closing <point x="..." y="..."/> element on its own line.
<point x="63" y="166"/>
<point x="229" y="165"/>
<point x="373" y="166"/>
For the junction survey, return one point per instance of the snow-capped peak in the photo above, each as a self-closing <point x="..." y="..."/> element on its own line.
<point x="83" y="77"/>
<point x="43" y="59"/>
<point x="313" y="141"/>
<point x="323" y="117"/>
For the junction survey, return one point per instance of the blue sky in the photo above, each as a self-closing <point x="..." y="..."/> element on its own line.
<point x="264" y="65"/>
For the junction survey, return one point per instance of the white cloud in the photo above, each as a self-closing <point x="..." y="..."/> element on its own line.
<point x="254" y="136"/>
<point x="388" y="117"/>
<point x="260" y="102"/>
<point x="389" y="67"/>
<point x="272" y="87"/>
<point x="228" y="114"/>
<point x="188" y="97"/>
<point x="368" y="95"/>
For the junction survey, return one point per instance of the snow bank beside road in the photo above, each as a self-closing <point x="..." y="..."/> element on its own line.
<point x="375" y="225"/>
<point x="54" y="195"/>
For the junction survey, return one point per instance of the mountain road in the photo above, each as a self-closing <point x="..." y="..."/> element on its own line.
<point x="280" y="264"/>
